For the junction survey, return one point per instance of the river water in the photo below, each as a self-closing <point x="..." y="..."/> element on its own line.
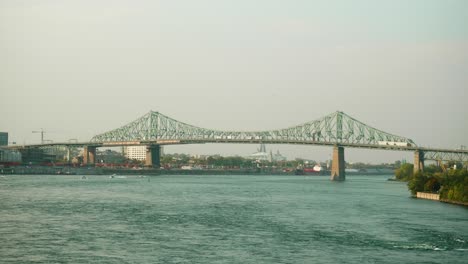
<point x="224" y="219"/>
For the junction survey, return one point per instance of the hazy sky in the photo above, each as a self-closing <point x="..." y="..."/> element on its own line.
<point x="79" y="68"/>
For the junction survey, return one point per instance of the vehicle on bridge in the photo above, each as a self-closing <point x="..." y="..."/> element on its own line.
<point x="393" y="143"/>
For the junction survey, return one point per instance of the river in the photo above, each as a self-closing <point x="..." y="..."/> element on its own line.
<point x="224" y="219"/>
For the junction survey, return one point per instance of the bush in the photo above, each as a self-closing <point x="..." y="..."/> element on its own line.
<point x="416" y="183"/>
<point x="452" y="185"/>
<point x="405" y="172"/>
<point x="455" y="186"/>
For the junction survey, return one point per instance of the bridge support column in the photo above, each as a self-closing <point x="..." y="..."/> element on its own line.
<point x="418" y="161"/>
<point x="89" y="155"/>
<point x="68" y="155"/>
<point x="153" y="154"/>
<point x="338" y="164"/>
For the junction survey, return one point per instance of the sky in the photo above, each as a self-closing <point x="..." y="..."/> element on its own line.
<point x="80" y="68"/>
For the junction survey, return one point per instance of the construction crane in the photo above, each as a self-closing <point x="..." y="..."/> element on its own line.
<point x="42" y="134"/>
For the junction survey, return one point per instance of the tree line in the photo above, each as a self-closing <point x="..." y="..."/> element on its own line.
<point x="451" y="184"/>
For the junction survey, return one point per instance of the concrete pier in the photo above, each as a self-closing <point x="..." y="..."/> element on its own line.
<point x="153" y="154"/>
<point x="89" y="155"/>
<point x="68" y="154"/>
<point x="418" y="161"/>
<point x="338" y="164"/>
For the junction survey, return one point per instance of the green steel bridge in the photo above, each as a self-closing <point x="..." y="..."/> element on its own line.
<point x="338" y="130"/>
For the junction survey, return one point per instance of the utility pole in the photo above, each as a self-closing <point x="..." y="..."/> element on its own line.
<point x="42" y="135"/>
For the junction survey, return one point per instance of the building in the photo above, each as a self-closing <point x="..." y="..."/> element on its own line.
<point x="36" y="156"/>
<point x="263" y="155"/>
<point x="135" y="152"/>
<point x="277" y="156"/>
<point x="3" y="138"/>
<point x="61" y="153"/>
<point x="110" y="156"/>
<point x="7" y="155"/>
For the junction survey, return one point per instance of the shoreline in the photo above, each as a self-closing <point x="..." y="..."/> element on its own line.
<point x="426" y="196"/>
<point x="41" y="170"/>
<point x="454" y="202"/>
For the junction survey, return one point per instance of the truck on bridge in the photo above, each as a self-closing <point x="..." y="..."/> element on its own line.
<point x="393" y="143"/>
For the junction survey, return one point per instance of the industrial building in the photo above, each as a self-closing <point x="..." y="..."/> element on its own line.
<point x="36" y="156"/>
<point x="9" y="156"/>
<point x="3" y="138"/>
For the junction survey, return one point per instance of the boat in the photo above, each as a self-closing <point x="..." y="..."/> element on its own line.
<point x="316" y="170"/>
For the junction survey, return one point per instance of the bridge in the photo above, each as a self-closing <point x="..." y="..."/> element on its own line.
<point x="337" y="130"/>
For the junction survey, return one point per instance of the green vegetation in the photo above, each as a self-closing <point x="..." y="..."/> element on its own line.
<point x="405" y="172"/>
<point x="455" y="186"/>
<point x="177" y="160"/>
<point x="220" y="162"/>
<point x="451" y="184"/>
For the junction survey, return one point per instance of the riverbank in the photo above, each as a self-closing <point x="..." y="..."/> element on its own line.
<point x="436" y="197"/>
<point x="45" y="170"/>
<point x="428" y="196"/>
<point x="454" y="202"/>
<point x="42" y="170"/>
<point x="449" y="184"/>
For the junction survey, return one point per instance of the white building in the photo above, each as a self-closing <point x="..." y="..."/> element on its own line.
<point x="263" y="155"/>
<point x="135" y="152"/>
<point x="277" y="156"/>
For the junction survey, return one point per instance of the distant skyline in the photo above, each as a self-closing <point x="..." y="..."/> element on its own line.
<point x="80" y="68"/>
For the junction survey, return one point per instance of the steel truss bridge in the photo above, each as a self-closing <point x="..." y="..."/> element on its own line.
<point x="337" y="129"/>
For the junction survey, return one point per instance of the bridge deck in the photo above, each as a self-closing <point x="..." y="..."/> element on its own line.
<point x="238" y="141"/>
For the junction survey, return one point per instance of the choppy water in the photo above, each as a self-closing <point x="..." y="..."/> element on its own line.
<point x="224" y="219"/>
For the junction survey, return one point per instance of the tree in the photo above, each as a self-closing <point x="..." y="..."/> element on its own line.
<point x="417" y="182"/>
<point x="432" y="184"/>
<point x="405" y="172"/>
<point x="452" y="185"/>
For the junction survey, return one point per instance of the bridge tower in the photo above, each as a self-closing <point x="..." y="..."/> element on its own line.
<point x="89" y="155"/>
<point x="418" y="161"/>
<point x="153" y="156"/>
<point x="338" y="164"/>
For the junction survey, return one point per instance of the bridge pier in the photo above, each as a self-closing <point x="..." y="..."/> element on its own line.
<point x="338" y="164"/>
<point x="153" y="156"/>
<point x="68" y="155"/>
<point x="89" y="155"/>
<point x="418" y="161"/>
